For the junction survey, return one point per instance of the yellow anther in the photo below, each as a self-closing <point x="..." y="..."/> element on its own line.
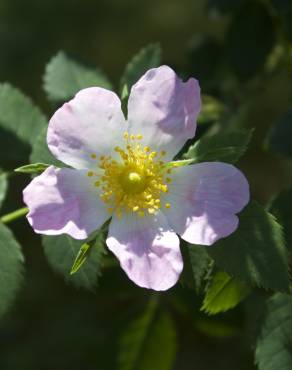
<point x="162" y="153"/>
<point x="97" y="183"/>
<point x="102" y="157"/>
<point x="135" y="209"/>
<point x="147" y="149"/>
<point x="126" y="135"/>
<point x="168" y="179"/>
<point x="132" y="137"/>
<point x="167" y="205"/>
<point x="93" y="156"/>
<point x="164" y="188"/>
<point x="139" y="137"/>
<point x="153" y="154"/>
<point x="90" y="173"/>
<point x="141" y="213"/>
<point x="151" y="211"/>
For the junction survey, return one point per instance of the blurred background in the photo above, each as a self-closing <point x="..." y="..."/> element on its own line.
<point x="240" y="52"/>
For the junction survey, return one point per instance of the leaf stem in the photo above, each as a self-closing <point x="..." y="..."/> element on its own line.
<point x="12" y="216"/>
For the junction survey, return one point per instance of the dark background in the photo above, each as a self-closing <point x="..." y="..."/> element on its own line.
<point x="227" y="46"/>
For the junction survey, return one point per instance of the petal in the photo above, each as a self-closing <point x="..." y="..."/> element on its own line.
<point x="147" y="249"/>
<point x="91" y="123"/>
<point x="63" y="201"/>
<point x="204" y="199"/>
<point x="164" y="109"/>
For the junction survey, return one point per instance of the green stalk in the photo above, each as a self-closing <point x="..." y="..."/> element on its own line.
<point x="12" y="216"/>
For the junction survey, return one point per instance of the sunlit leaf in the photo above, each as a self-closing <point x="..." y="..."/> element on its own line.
<point x="225" y="147"/>
<point x="34" y="168"/>
<point x="64" y="77"/>
<point x="61" y="252"/>
<point x="11" y="268"/>
<point x="274" y="345"/>
<point x="256" y="251"/>
<point x="147" y="58"/>
<point x="81" y="257"/>
<point x="145" y="337"/>
<point x="20" y="123"/>
<point x="223" y="293"/>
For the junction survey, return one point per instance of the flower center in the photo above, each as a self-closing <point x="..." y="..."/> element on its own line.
<point x="135" y="181"/>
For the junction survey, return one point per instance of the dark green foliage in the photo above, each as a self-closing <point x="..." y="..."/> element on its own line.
<point x="147" y="58"/>
<point x="61" y="252"/>
<point x="144" y="339"/>
<point x="64" y="77"/>
<point x="256" y="251"/>
<point x="250" y="39"/>
<point x="274" y="346"/>
<point x="20" y="122"/>
<point x="225" y="147"/>
<point x="223" y="293"/>
<point x="279" y="138"/>
<point x="281" y="207"/>
<point x="11" y="268"/>
<point x="3" y="186"/>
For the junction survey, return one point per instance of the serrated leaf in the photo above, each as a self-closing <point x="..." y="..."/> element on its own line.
<point x="256" y="251"/>
<point x="61" y="252"/>
<point x="40" y="151"/>
<point x="147" y="58"/>
<point x="279" y="136"/>
<point x="3" y="186"/>
<point x="11" y="268"/>
<point x="141" y="344"/>
<point x="274" y="345"/>
<point x="80" y="258"/>
<point x="225" y="147"/>
<point x="196" y="264"/>
<point x="223" y="293"/>
<point x="34" y="168"/>
<point x="20" y="122"/>
<point x="64" y="77"/>
<point x="212" y="110"/>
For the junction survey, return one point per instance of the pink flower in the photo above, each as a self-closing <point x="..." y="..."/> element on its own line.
<point x="121" y="169"/>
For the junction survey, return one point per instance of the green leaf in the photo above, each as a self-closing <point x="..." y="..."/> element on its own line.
<point x="20" y="122"/>
<point x="3" y="186"/>
<point x="141" y="344"/>
<point x="279" y="138"/>
<point x="61" y="252"/>
<point x="281" y="208"/>
<point x="196" y="264"/>
<point x="40" y="151"/>
<point x="250" y="27"/>
<point x="147" y="58"/>
<point x="34" y="168"/>
<point x="212" y="110"/>
<point x="274" y="345"/>
<point x="223" y="293"/>
<point x="225" y="147"/>
<point x="11" y="268"/>
<point x="256" y="251"/>
<point x="81" y="257"/>
<point x="64" y="77"/>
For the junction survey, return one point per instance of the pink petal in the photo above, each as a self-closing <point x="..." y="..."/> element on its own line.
<point x="147" y="249"/>
<point x="91" y="123"/>
<point x="204" y="200"/>
<point x="164" y="109"/>
<point x="63" y="201"/>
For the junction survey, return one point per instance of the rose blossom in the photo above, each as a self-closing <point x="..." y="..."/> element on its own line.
<point x="122" y="169"/>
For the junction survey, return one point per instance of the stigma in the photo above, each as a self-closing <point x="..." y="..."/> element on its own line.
<point x="134" y="179"/>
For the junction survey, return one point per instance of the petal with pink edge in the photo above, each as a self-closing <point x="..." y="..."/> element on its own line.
<point x="63" y="201"/>
<point x="148" y="250"/>
<point x="164" y="109"/>
<point x="204" y="199"/>
<point x="91" y="123"/>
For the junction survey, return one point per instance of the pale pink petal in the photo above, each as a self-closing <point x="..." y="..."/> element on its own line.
<point x="148" y="250"/>
<point x="164" y="109"/>
<point x="91" y="123"/>
<point x="64" y="201"/>
<point x="205" y="199"/>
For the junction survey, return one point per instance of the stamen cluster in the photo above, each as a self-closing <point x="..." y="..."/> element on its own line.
<point x="134" y="180"/>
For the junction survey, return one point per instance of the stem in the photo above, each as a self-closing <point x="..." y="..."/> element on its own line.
<point x="14" y="215"/>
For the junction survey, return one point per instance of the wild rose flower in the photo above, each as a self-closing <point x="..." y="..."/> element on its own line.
<point x="122" y="169"/>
